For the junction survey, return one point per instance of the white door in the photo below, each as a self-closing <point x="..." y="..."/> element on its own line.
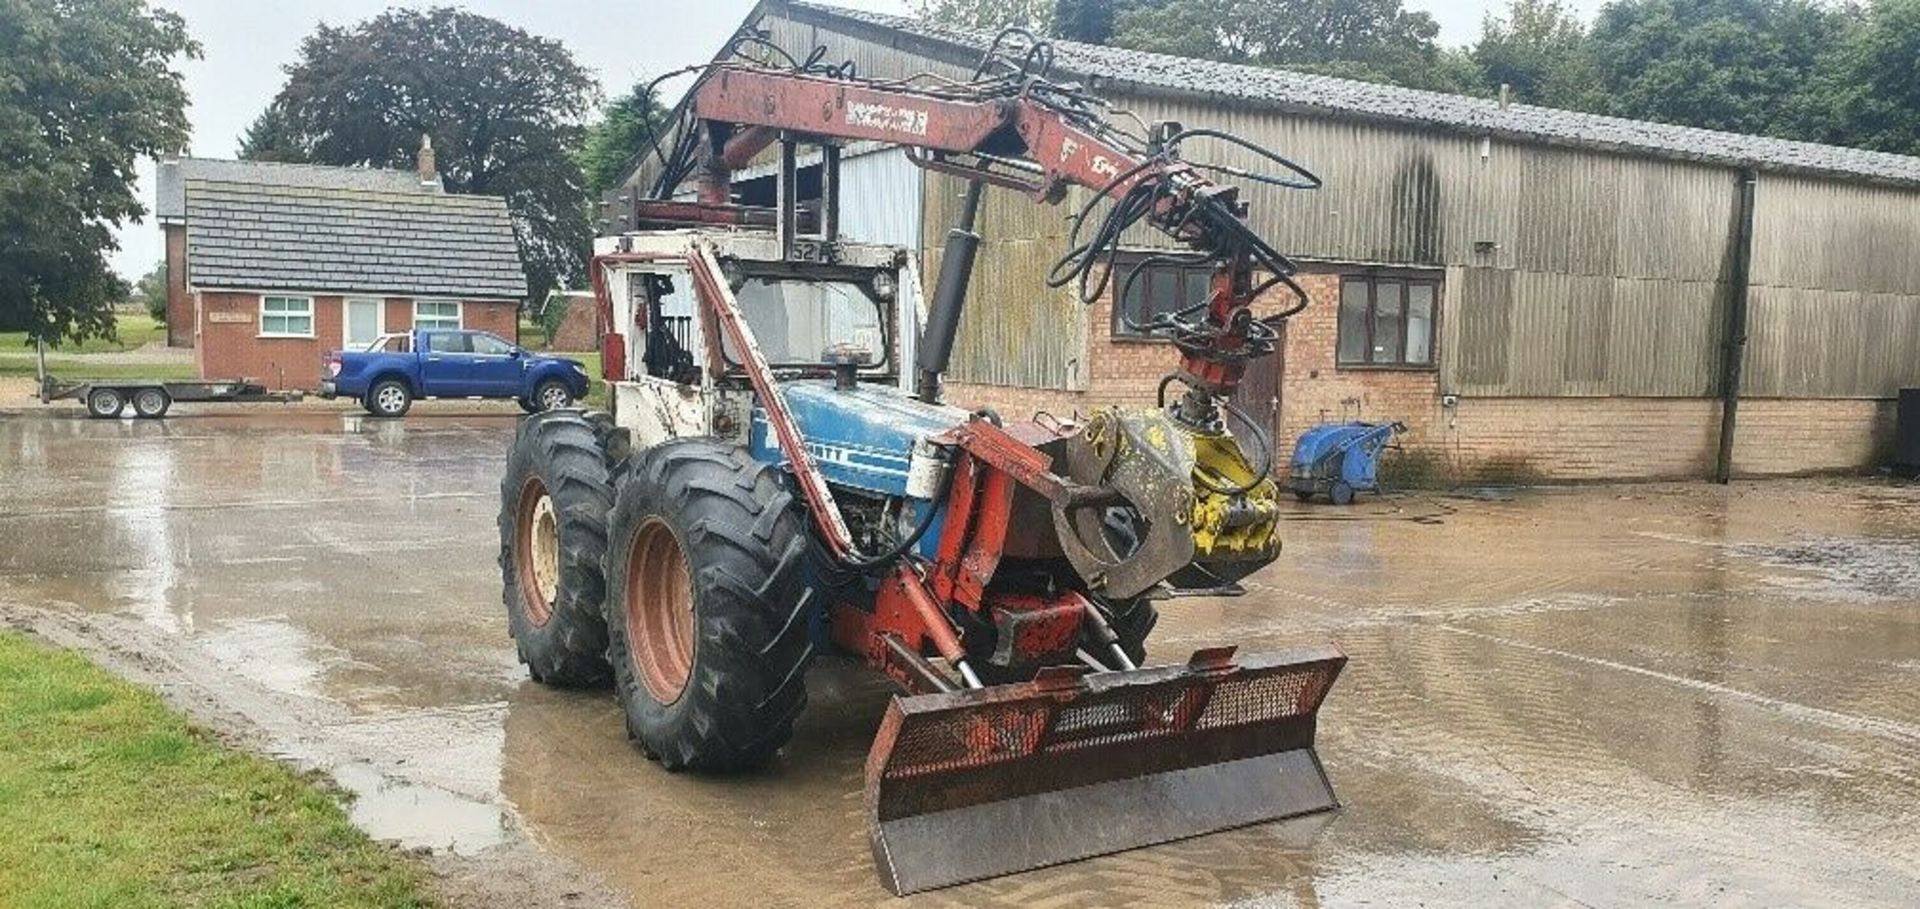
<point x="365" y="322"/>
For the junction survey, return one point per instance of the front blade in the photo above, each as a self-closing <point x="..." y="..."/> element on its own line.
<point x="974" y="784"/>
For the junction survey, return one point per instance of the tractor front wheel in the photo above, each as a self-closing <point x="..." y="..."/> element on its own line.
<point x="553" y="533"/>
<point x="708" y="606"/>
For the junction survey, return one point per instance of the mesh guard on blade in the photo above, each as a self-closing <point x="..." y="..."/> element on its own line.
<point x="972" y="784"/>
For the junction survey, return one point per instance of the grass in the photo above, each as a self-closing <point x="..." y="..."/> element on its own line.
<point x="70" y="368"/>
<point x="533" y="335"/>
<point x="131" y="329"/>
<point x="108" y="798"/>
<point x="598" y="397"/>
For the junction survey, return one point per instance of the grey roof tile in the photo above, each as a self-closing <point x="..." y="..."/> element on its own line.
<point x="349" y="238"/>
<point x="172" y="176"/>
<point x="1290" y="91"/>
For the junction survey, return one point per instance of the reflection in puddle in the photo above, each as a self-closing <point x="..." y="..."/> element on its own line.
<point x="414" y="815"/>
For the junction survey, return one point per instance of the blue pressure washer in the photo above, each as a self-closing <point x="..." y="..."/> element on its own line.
<point x="1340" y="459"/>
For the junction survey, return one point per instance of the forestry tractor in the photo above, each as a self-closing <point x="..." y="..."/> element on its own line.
<point x="773" y="484"/>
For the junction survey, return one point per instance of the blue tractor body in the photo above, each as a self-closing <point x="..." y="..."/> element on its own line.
<point x="862" y="438"/>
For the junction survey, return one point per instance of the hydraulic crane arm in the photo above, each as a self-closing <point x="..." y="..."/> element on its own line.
<point x="1040" y="138"/>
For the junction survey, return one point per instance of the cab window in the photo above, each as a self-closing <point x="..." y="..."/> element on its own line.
<point x="491" y="346"/>
<point x="447" y="342"/>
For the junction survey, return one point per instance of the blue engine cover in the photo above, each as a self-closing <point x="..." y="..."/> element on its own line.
<point x="861" y="438"/>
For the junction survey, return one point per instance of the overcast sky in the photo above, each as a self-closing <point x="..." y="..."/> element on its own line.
<point x="246" y="42"/>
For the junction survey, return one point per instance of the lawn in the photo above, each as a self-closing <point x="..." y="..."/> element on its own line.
<point x="108" y="798"/>
<point x="132" y="330"/>
<point x="70" y="368"/>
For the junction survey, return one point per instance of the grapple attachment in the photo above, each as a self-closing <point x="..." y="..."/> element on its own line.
<point x="965" y="785"/>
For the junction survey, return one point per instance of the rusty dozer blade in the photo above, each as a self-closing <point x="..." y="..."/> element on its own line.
<point x="965" y="785"/>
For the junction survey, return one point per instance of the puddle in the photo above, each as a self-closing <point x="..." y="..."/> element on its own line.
<point x="415" y="816"/>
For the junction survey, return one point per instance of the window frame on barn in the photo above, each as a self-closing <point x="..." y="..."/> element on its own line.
<point x="286" y="316"/>
<point x="438" y="320"/>
<point x="1190" y="284"/>
<point x="1364" y="350"/>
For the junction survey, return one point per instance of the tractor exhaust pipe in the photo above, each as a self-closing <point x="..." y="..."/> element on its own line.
<point x="949" y="295"/>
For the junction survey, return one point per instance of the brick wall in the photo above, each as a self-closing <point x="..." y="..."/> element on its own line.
<point x="579" y="328"/>
<point x="179" y="301"/>
<point x="230" y="344"/>
<point x="1496" y="439"/>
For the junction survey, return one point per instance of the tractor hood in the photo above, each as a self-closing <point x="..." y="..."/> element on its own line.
<point x="862" y="437"/>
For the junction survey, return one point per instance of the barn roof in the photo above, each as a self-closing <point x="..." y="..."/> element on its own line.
<point x="1283" y="90"/>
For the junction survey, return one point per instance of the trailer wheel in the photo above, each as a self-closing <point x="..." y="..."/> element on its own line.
<point x="151" y="403"/>
<point x="105" y="403"/>
<point x="708" y="606"/>
<point x="389" y="398"/>
<point x="1341" y="493"/>
<point x="553" y="532"/>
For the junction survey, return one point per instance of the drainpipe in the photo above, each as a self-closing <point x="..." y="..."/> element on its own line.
<point x="1736" y="329"/>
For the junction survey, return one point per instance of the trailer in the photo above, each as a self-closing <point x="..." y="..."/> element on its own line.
<point x="151" y="398"/>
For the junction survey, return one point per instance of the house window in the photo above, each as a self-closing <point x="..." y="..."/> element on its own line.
<point x="1158" y="289"/>
<point x="1387" y="320"/>
<point x="429" y="314"/>
<point x="286" y="317"/>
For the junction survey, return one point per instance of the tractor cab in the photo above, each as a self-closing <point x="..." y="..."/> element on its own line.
<point x="839" y="312"/>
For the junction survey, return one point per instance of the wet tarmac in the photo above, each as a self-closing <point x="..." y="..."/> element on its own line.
<point x="1603" y="696"/>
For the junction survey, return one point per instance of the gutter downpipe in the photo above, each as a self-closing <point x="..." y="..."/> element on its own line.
<point x="1736" y="328"/>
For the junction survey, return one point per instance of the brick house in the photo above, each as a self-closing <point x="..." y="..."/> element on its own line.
<point x="270" y="266"/>
<point x="1535" y="292"/>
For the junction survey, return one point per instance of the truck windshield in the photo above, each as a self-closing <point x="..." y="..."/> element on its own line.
<point x="799" y="322"/>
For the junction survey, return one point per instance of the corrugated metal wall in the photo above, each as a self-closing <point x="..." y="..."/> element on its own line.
<point x="1569" y="272"/>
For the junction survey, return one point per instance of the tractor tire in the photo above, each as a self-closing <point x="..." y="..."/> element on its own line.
<point x="554" y="502"/>
<point x="708" y="606"/>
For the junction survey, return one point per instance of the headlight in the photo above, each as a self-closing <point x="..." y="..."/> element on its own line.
<point x="884" y="284"/>
<point x="581" y="369"/>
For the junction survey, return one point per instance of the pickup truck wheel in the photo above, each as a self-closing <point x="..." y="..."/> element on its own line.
<point x="553" y="533"/>
<point x="708" y="606"/>
<point x="105" y="403"/>
<point x="552" y="395"/>
<point x="389" y="398"/>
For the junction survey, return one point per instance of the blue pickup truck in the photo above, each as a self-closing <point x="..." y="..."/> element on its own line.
<point x="395" y="369"/>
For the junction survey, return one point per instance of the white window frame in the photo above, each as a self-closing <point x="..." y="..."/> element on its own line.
<point x="264" y="333"/>
<point x="459" y="314"/>
<point x="346" y="317"/>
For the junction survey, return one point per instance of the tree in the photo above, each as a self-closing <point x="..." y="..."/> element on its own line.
<point x="1374" y="40"/>
<point x="505" y="109"/>
<point x="627" y="129"/>
<point x="1876" y="87"/>
<point x="1540" y="49"/>
<point x="1089" y="21"/>
<point x="1738" y="65"/>
<point x="86" y="88"/>
<point x="153" y="286"/>
<point x="989" y="15"/>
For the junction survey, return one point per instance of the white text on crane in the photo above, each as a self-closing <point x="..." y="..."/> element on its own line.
<point x="887" y="117"/>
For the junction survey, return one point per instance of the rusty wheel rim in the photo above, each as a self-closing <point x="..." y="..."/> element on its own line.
<point x="659" y="611"/>
<point x="536" y="551"/>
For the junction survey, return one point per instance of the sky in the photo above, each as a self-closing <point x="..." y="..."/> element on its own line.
<point x="245" y="43"/>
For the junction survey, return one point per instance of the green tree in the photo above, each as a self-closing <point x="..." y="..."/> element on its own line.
<point x="988" y="15"/>
<point x="1374" y="40"/>
<point x="505" y="109"/>
<point x="86" y="88"/>
<point x="1739" y="65"/>
<point x="1540" y="49"/>
<point x="615" y="143"/>
<point x="1875" y="89"/>
<point x="153" y="286"/>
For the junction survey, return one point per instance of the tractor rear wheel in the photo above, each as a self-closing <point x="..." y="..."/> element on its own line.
<point x="553" y="534"/>
<point x="708" y="606"/>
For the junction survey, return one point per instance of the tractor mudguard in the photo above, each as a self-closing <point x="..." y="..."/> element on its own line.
<point x="972" y="784"/>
